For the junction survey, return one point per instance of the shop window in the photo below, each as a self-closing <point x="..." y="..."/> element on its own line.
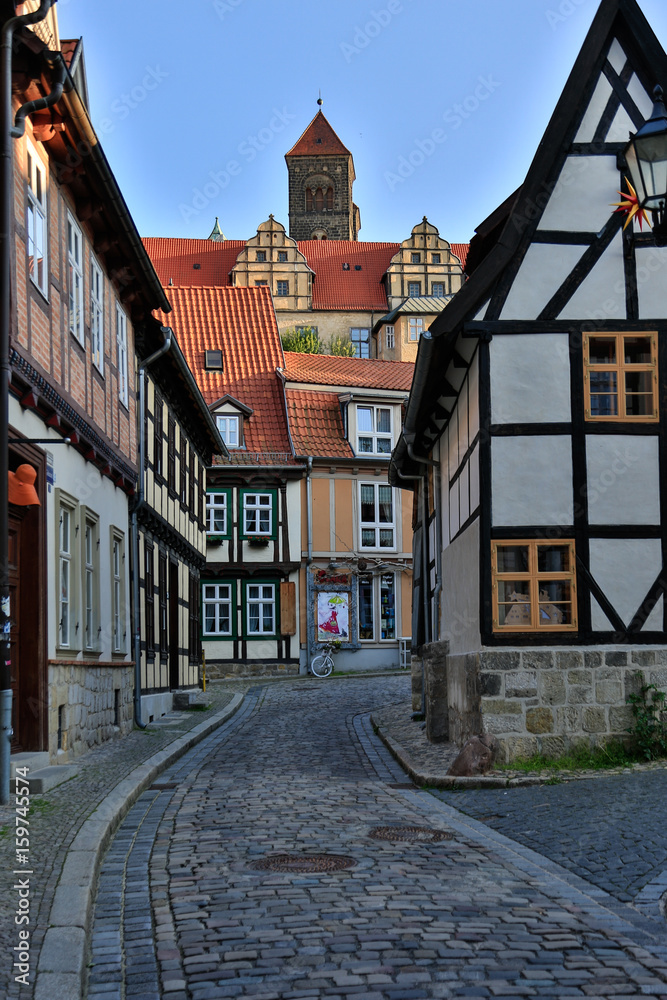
<point x="376" y="510"/>
<point x="218" y="607"/>
<point x="374" y="430"/>
<point x="377" y="607"/>
<point x="365" y="602"/>
<point x="534" y="586"/>
<point x="621" y="376"/>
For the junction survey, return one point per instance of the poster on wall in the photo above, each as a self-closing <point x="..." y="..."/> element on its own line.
<point x="333" y="616"/>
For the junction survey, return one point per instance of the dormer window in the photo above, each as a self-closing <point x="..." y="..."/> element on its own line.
<point x="213" y="361"/>
<point x="229" y="427"/>
<point x="374" y="430"/>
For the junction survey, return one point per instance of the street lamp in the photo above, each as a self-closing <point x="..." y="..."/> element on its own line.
<point x="646" y="158"/>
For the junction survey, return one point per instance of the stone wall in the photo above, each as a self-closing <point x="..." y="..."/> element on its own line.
<point x="90" y="711"/>
<point x="252" y="668"/>
<point x="546" y="700"/>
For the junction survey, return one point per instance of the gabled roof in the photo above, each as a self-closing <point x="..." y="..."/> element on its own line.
<point x="193" y="262"/>
<point x="508" y="232"/>
<point x="358" y="287"/>
<point x="316" y="424"/>
<point x="361" y="373"/>
<point x="319" y="139"/>
<point x="460" y="250"/>
<point x="242" y="323"/>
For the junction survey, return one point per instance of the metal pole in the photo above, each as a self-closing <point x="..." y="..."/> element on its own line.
<point x="6" y="232"/>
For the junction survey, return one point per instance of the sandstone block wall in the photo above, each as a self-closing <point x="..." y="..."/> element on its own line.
<point x="254" y="668"/>
<point x="84" y="707"/>
<point x="547" y="700"/>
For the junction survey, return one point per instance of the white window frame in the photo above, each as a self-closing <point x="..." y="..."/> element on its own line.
<point x="97" y="314"/>
<point x="390" y="337"/>
<point x="216" y="504"/>
<point x="75" y="278"/>
<point x="377" y="525"/>
<point x="90" y="580"/>
<point x="229" y="426"/>
<point x="68" y="582"/>
<point x="376" y="584"/>
<point x="121" y="341"/>
<point x="374" y="435"/>
<point x="254" y="510"/>
<point x="262" y="600"/>
<point x="117" y="591"/>
<point x="218" y="596"/>
<point x="36" y="221"/>
<point x="415" y="327"/>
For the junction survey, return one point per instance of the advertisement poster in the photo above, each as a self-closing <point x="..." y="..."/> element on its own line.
<point x="333" y="616"/>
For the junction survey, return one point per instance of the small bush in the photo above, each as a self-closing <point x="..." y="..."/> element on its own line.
<point x="649" y="732"/>
<point x="579" y="758"/>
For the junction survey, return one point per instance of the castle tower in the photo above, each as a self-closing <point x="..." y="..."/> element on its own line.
<point x="321" y="174"/>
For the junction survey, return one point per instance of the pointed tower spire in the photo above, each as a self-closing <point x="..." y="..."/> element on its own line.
<point x="217" y="234"/>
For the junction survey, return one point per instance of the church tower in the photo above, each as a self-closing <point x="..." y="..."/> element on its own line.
<point x="321" y="174"/>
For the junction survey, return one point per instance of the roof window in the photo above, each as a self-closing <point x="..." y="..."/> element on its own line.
<point x="346" y="267"/>
<point x="213" y="360"/>
<point x="196" y="267"/>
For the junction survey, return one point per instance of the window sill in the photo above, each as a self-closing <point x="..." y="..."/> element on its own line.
<point x="257" y="541"/>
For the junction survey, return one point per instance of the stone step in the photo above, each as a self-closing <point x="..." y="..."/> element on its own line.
<point x="185" y="699"/>
<point x="33" y="760"/>
<point x="49" y="777"/>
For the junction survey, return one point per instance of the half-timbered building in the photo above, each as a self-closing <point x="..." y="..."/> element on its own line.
<point x="534" y="437"/>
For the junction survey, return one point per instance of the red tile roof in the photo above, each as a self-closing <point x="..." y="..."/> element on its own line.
<point x="176" y="260"/>
<point x="242" y="323"/>
<point x="364" y="373"/>
<point x="319" y="139"/>
<point x="67" y="49"/>
<point x="316" y="424"/>
<point x="461" y="251"/>
<point x="335" y="288"/>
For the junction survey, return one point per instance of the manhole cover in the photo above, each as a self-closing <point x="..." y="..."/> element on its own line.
<point x="303" y="863"/>
<point x="410" y="833"/>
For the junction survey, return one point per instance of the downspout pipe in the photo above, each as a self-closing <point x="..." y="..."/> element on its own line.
<point x="309" y="558"/>
<point x="134" y="521"/>
<point x="6" y="233"/>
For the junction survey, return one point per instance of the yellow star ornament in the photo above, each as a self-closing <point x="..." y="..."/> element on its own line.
<point x="630" y="206"/>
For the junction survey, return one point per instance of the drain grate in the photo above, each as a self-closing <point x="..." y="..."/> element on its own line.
<point x="303" y="863"/>
<point x="409" y="833"/>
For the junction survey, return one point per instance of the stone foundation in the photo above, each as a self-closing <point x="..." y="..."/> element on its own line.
<point x="416" y="680"/>
<point x="217" y="670"/>
<point x="84" y="709"/>
<point x="547" y="700"/>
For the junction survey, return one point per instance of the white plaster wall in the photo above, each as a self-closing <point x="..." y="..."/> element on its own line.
<point x="623" y="479"/>
<point x="543" y="270"/>
<point x="530" y="378"/>
<point x="601" y="295"/>
<point x="443" y="447"/>
<point x="594" y="111"/>
<point x="641" y="97"/>
<point x="473" y="398"/>
<point x="617" y="56"/>
<point x="580" y="199"/>
<point x="83" y="482"/>
<point x="459" y="621"/>
<point x="625" y="568"/>
<point x="531" y="480"/>
<point x="474" y="479"/>
<point x="651" y="281"/>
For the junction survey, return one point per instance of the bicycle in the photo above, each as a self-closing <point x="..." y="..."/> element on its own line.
<point x="322" y="664"/>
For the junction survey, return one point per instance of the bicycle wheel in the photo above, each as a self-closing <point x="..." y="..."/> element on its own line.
<point x="321" y="665"/>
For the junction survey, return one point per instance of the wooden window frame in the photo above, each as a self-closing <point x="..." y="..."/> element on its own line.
<point x="90" y="580"/>
<point x="282" y="289"/>
<point x="224" y="422"/>
<point x="158" y="435"/>
<point x="37" y="221"/>
<point x="391" y="337"/>
<point x="97" y="314"/>
<point x="118" y="623"/>
<point x="534" y="577"/>
<point x="121" y="345"/>
<point x="183" y="469"/>
<point x="163" y="604"/>
<point x="360" y="336"/>
<point x="212" y="507"/>
<point x="415" y="328"/>
<point x="375" y="435"/>
<point x="171" y="454"/>
<point x="261" y="600"/>
<point x="273" y="513"/>
<point x="377" y="525"/>
<point x="75" y="280"/>
<point x="413" y="294"/>
<point x="217" y="599"/>
<point x="620" y="368"/>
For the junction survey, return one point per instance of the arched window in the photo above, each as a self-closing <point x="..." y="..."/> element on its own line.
<point x="330" y="199"/>
<point x="309" y="200"/>
<point x="319" y="200"/>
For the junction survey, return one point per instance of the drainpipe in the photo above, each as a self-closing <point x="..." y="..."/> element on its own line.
<point x="309" y="559"/>
<point x="6" y="231"/>
<point x="136" y="617"/>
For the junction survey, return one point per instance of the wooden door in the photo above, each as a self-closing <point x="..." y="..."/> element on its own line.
<point x="174" y="637"/>
<point x="15" y="619"/>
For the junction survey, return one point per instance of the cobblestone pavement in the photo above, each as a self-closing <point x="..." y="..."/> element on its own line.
<point x="56" y="817"/>
<point x="184" y="911"/>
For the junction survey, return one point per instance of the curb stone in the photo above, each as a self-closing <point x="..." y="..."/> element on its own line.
<point x="63" y="955"/>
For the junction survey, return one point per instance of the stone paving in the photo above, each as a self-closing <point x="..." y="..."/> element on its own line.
<point x="56" y="816"/>
<point x="183" y="911"/>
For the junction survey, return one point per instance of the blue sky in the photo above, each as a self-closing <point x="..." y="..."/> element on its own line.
<point x="197" y="102"/>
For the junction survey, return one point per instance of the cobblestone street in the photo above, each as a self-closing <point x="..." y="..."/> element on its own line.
<point x="184" y="910"/>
